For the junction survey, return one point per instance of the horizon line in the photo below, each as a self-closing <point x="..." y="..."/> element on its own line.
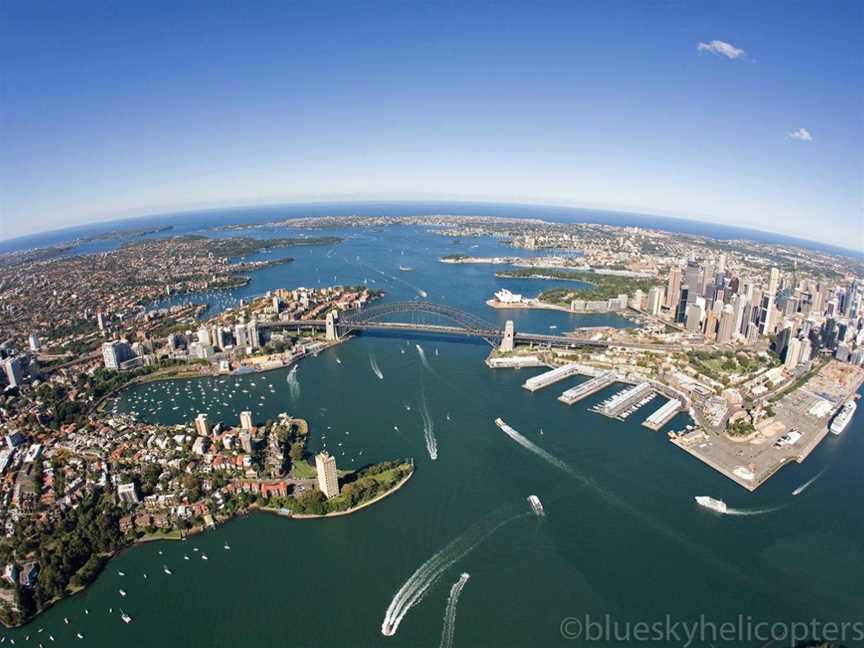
<point x="191" y="208"/>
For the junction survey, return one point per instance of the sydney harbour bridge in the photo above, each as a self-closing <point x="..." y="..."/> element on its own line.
<point x="412" y="316"/>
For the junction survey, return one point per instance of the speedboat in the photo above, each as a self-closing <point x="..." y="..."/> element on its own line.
<point x="716" y="505"/>
<point x="536" y="505"/>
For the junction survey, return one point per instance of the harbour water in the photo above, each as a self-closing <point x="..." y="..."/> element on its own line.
<point x="621" y="533"/>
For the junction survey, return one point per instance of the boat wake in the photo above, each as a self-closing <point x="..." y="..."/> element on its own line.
<point x="807" y="484"/>
<point x="540" y="452"/>
<point x="755" y="511"/>
<point x="415" y="588"/>
<point x="450" y="611"/>
<point x="293" y="383"/>
<point x="422" y="293"/>
<point x="423" y="358"/>
<point x="429" y="430"/>
<point x="375" y="369"/>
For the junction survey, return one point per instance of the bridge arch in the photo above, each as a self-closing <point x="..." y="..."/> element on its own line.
<point x="471" y="324"/>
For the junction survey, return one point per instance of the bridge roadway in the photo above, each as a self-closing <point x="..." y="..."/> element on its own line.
<point x="463" y="324"/>
<point x="491" y="335"/>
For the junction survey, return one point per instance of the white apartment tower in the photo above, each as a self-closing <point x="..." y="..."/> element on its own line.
<point x="328" y="480"/>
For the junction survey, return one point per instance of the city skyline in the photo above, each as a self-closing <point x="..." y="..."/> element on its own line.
<point x="721" y="115"/>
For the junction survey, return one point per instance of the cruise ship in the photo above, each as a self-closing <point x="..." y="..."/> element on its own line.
<point x="536" y="505"/>
<point x="709" y="502"/>
<point x="841" y="421"/>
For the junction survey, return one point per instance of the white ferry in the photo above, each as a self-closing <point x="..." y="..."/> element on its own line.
<point x="536" y="505"/>
<point x="710" y="503"/>
<point x="841" y="421"/>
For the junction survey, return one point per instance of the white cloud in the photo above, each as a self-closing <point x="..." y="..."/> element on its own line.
<point x="721" y="48"/>
<point x="801" y="134"/>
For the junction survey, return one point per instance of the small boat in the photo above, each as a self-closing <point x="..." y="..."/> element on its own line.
<point x="226" y="547"/>
<point x="204" y="557"/>
<point x="716" y="505"/>
<point x="86" y="611"/>
<point x="79" y="635"/>
<point x="166" y="570"/>
<point x="185" y="557"/>
<point x="126" y="618"/>
<point x="405" y="268"/>
<point x="119" y="573"/>
<point x="66" y="620"/>
<point x="122" y="592"/>
<point x="145" y="576"/>
<point x="536" y="505"/>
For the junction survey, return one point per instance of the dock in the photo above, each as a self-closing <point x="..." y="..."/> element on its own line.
<point x="622" y="403"/>
<point x="583" y="390"/>
<point x="551" y="377"/>
<point x="663" y="414"/>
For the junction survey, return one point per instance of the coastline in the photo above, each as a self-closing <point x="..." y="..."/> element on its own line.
<point x="536" y="305"/>
<point x="355" y="509"/>
<point x="194" y="531"/>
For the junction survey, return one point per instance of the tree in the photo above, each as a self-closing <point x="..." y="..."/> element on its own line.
<point x="297" y="451"/>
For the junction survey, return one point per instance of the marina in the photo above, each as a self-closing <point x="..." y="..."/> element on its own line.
<point x="583" y="390"/>
<point x="626" y="401"/>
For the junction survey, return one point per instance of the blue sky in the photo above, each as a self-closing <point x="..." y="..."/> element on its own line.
<point x="108" y="111"/>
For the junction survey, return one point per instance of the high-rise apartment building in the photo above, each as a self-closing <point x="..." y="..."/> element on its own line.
<point x="328" y="480"/>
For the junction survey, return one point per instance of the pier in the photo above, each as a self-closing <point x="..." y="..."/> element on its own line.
<point x="551" y="377"/>
<point x="583" y="390"/>
<point x="620" y="405"/>
<point x="663" y="415"/>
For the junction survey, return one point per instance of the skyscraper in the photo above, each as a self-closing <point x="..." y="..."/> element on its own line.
<point x="655" y="299"/>
<point x="793" y="354"/>
<point x="241" y="338"/>
<point x="113" y="353"/>
<point x="694" y="281"/>
<point x="673" y="287"/>
<point x="202" y="426"/>
<point x="694" y="317"/>
<point x="328" y="480"/>
<point x="727" y="325"/>
<point x="12" y="369"/>
<point x="768" y="301"/>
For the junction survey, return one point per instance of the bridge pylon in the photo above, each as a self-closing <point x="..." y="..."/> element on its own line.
<point x="332" y="334"/>
<point x="507" y="341"/>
